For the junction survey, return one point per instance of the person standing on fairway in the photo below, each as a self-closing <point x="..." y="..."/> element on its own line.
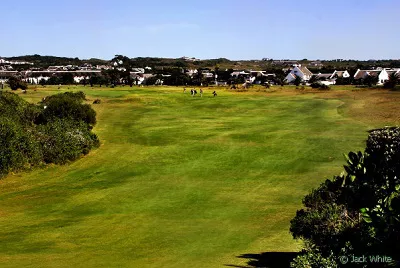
<point x="201" y="92"/>
<point x="184" y="90"/>
<point x="215" y="93"/>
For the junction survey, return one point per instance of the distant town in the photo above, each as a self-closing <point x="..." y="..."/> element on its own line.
<point x="38" y="69"/>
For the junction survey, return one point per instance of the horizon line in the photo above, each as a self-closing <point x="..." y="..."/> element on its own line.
<point x="204" y="59"/>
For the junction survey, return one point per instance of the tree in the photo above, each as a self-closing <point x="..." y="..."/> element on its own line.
<point x="114" y="76"/>
<point x="126" y="78"/>
<point x="152" y="80"/>
<point x="358" y="212"/>
<point x="181" y="64"/>
<point x="122" y="61"/>
<point x="216" y="69"/>
<point x="343" y="81"/>
<point x="54" y="80"/>
<point x="297" y="81"/>
<point x="42" y="82"/>
<point x="313" y="79"/>
<point x="223" y="75"/>
<point x="93" y="79"/>
<point x="178" y="79"/>
<point x="370" y="80"/>
<point x="198" y="77"/>
<point x="67" y="79"/>
<point x="393" y="81"/>
<point x="84" y="81"/>
<point x="16" y="82"/>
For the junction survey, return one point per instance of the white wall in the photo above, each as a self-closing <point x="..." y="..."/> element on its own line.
<point x="289" y="78"/>
<point x="328" y="83"/>
<point x="78" y="79"/>
<point x="36" y="80"/>
<point x="383" y="77"/>
<point x="296" y="71"/>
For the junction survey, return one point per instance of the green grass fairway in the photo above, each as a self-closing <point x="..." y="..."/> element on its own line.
<point x="181" y="181"/>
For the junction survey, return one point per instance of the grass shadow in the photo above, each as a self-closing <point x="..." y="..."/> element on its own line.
<point x="267" y="260"/>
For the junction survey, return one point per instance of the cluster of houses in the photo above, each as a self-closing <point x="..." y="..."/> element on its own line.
<point x="139" y="75"/>
<point x="382" y="74"/>
<point x="16" y="62"/>
<point x="305" y="75"/>
<point x="189" y="59"/>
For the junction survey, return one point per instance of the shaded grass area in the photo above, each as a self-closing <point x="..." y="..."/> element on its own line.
<point x="178" y="181"/>
<point x="267" y="260"/>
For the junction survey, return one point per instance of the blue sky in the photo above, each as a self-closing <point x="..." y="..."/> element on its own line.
<point x="245" y="29"/>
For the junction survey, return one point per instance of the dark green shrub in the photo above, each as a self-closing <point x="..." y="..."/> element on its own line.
<point x="18" y="147"/>
<point x="15" y="108"/>
<point x="316" y="85"/>
<point x="392" y="82"/>
<point x="324" y="87"/>
<point x="31" y="134"/>
<point x="16" y="82"/>
<point x="67" y="105"/>
<point x="358" y="212"/>
<point x="64" y="140"/>
<point x="314" y="259"/>
<point x="319" y="86"/>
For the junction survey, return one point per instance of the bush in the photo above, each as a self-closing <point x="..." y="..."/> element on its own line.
<point x="312" y="259"/>
<point x="343" y="81"/>
<point x="324" y="87"/>
<point x="316" y="85"/>
<point x="31" y="135"/>
<point x="319" y="86"/>
<point x="357" y="212"/>
<point x="64" y="140"/>
<point x="18" y="147"/>
<point x="16" y="82"/>
<point x="67" y="105"/>
<point x="15" y="108"/>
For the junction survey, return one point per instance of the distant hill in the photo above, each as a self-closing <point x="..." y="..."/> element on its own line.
<point x="222" y="63"/>
<point x="46" y="61"/>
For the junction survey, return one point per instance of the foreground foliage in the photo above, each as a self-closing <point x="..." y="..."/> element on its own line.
<point x="356" y="213"/>
<point x="57" y="130"/>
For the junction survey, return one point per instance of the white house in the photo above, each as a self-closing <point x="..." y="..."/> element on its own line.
<point x="105" y="67"/>
<point x="326" y="76"/>
<point x="78" y="79"/>
<point x="395" y="71"/>
<point x="330" y="78"/>
<point x="382" y="75"/>
<point x="316" y="63"/>
<point x="237" y="73"/>
<point x="300" y="71"/>
<point x="342" y="74"/>
<point x="191" y="72"/>
<point x="138" y="70"/>
<point x="33" y="80"/>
